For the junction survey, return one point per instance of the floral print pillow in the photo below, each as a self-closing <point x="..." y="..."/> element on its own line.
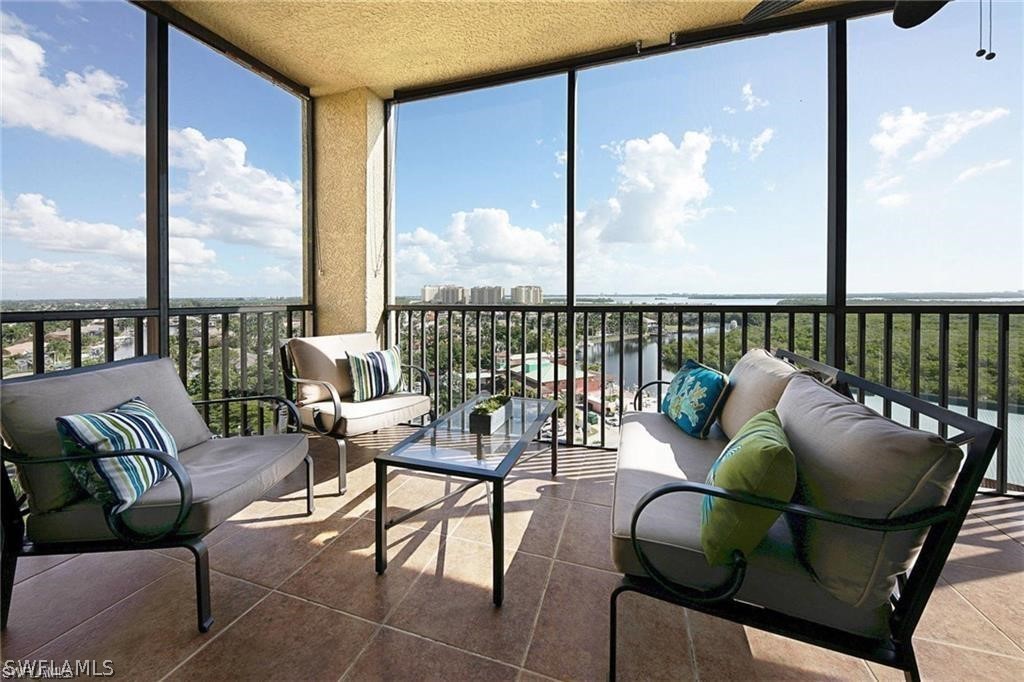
<point x="695" y="397"/>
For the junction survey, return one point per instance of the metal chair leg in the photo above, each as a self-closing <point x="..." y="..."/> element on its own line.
<point x="912" y="674"/>
<point x="612" y="626"/>
<point x="8" y="568"/>
<point x="202" y="558"/>
<point x="342" y="466"/>
<point x="310" y="482"/>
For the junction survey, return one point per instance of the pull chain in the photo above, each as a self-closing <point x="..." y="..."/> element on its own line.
<point x="991" y="55"/>
<point x="981" y="21"/>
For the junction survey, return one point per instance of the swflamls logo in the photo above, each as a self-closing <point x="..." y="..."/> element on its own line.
<point x="45" y="669"/>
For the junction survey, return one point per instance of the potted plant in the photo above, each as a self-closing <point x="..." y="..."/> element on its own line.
<point x="489" y="414"/>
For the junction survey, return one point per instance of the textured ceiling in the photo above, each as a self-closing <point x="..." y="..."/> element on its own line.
<point x="335" y="46"/>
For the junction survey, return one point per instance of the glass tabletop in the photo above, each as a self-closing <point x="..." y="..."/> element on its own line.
<point x="448" y="445"/>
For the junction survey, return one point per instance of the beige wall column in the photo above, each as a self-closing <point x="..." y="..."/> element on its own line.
<point x="349" y="158"/>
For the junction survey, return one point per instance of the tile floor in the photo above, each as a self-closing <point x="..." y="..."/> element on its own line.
<point x="296" y="597"/>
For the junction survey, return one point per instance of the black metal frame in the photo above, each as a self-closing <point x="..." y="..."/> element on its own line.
<point x="14" y="509"/>
<point x="914" y="589"/>
<point x="319" y="428"/>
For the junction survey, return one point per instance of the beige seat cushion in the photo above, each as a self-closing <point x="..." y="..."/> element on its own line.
<point x="227" y="475"/>
<point x="653" y="452"/>
<point x="29" y="408"/>
<point x="756" y="383"/>
<point x="852" y="460"/>
<point x="369" y="415"/>
<point x="324" y="358"/>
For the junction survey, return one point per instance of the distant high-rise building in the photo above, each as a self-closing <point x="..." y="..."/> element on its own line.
<point x="527" y="295"/>
<point x="487" y="295"/>
<point x="444" y="293"/>
<point x="429" y="293"/>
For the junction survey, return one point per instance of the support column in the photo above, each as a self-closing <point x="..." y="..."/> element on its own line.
<point x="350" y="240"/>
<point x="835" y="346"/>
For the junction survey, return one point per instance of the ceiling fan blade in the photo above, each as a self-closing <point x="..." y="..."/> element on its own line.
<point x="768" y="8"/>
<point x="907" y="14"/>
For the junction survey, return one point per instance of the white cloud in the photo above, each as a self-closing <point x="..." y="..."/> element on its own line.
<point x="35" y="219"/>
<point x="894" y="200"/>
<point x="881" y="182"/>
<point x="729" y="110"/>
<point x="661" y="187"/>
<point x="481" y="246"/>
<point x="952" y="128"/>
<point x="903" y="128"/>
<point x="561" y="156"/>
<point x="68" y="279"/>
<point x="975" y="171"/>
<point x="759" y="142"/>
<point x="534" y="204"/>
<point x="86" y="106"/>
<point x="898" y="129"/>
<point x="732" y="143"/>
<point x="750" y="100"/>
<point x="223" y="198"/>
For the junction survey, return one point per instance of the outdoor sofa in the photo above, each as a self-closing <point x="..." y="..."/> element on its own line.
<point x="211" y="480"/>
<point x="853" y="569"/>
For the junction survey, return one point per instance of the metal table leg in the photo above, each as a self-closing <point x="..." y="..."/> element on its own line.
<point x="554" y="443"/>
<point x="498" y="540"/>
<point x="381" y="493"/>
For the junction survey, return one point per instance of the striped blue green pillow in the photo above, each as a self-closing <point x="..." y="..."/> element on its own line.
<point x="374" y="374"/>
<point x="117" y="482"/>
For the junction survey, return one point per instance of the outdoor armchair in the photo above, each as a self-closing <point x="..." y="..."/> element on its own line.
<point x="211" y="480"/>
<point x="317" y="368"/>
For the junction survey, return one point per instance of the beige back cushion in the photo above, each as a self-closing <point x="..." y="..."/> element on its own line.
<point x="756" y="383"/>
<point x="29" y="410"/>
<point x="851" y="460"/>
<point x="325" y="358"/>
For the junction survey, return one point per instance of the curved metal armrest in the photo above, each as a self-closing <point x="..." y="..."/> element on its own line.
<point x="114" y="521"/>
<point x="640" y="393"/>
<point x="318" y="424"/>
<point x="428" y="388"/>
<point x="731" y="585"/>
<point x="293" y="411"/>
<point x="915" y="521"/>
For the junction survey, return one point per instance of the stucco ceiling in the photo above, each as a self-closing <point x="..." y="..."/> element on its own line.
<point x="333" y="46"/>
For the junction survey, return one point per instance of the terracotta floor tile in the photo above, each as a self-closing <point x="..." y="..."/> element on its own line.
<point x="162" y="631"/>
<point x="451" y="601"/>
<point x="778" y="658"/>
<point x="951" y="619"/>
<point x="281" y="638"/>
<point x="981" y="544"/>
<point x="343" y="575"/>
<point x="396" y="656"/>
<point x="587" y="536"/>
<point x="999" y="597"/>
<point x="268" y="550"/>
<point x="946" y="663"/>
<point x="1005" y="513"/>
<point x="720" y="648"/>
<point x="533" y="522"/>
<point x="570" y="640"/>
<point x="409" y="490"/>
<point x="51" y="603"/>
<point x="29" y="566"/>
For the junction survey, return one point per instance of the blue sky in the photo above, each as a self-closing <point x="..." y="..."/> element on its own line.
<point x="698" y="171"/>
<point x="74" y="174"/>
<point x="704" y="170"/>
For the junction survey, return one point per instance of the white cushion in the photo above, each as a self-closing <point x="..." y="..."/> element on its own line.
<point x="756" y="383"/>
<point x="325" y="358"/>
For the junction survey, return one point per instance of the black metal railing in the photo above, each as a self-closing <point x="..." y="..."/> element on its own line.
<point x="966" y="357"/>
<point x="219" y="351"/>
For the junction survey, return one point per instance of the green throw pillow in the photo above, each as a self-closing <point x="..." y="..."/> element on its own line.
<point x="757" y="461"/>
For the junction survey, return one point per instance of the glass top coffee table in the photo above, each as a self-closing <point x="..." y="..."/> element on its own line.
<point x="446" y="446"/>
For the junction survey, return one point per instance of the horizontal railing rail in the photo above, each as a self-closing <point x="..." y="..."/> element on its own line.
<point x="969" y="357"/>
<point x="219" y="351"/>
